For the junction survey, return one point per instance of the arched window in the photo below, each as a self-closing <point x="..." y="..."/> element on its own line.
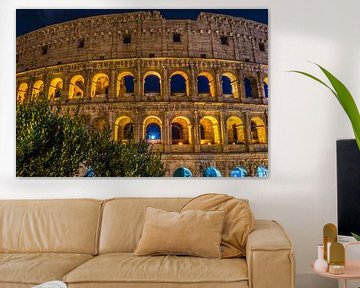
<point x="211" y="172"/>
<point x="37" y="90"/>
<point x="266" y="87"/>
<point x="235" y="130"/>
<point x="182" y="172"/>
<point x="206" y="84"/>
<point x="250" y="87"/>
<point x="258" y="131"/>
<point x="229" y="84"/>
<point x="100" y="85"/>
<point x="153" y="132"/>
<point x="21" y="93"/>
<point x="261" y="172"/>
<point x="238" y="172"/>
<point x="76" y="90"/>
<point x="124" y="129"/>
<point x="211" y="131"/>
<point x="125" y="84"/>
<point x="152" y="83"/>
<point x="181" y="130"/>
<point x="55" y="89"/>
<point x="179" y="84"/>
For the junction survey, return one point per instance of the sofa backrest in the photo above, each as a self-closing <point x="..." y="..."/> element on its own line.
<point x="123" y="220"/>
<point x="67" y="226"/>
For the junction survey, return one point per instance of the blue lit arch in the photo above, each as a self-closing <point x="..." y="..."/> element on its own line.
<point x="238" y="172"/>
<point x="211" y="172"/>
<point x="262" y="172"/>
<point x="182" y="172"/>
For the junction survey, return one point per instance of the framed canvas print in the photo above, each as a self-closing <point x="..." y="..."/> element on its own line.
<point x="142" y="93"/>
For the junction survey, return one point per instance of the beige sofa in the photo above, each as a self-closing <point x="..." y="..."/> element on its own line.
<point x="89" y="243"/>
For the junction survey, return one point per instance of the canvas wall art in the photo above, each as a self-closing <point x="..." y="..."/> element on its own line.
<point x="142" y="93"/>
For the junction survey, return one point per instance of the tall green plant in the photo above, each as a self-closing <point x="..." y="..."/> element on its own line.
<point x="344" y="97"/>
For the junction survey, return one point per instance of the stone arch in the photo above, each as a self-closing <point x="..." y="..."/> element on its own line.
<point x="238" y="171"/>
<point x="37" y="90"/>
<point x="258" y="131"/>
<point x="235" y="130"/>
<point x="181" y="130"/>
<point x="55" y="89"/>
<point x="182" y="172"/>
<point x="100" y="85"/>
<point x="211" y="172"/>
<point x="206" y="83"/>
<point x="125" y="83"/>
<point x="209" y="130"/>
<point x="250" y="85"/>
<point x="229" y="84"/>
<point x="21" y="93"/>
<point x="152" y="82"/>
<point x="261" y="172"/>
<point x="76" y="89"/>
<point x="124" y="129"/>
<point x="152" y="129"/>
<point x="179" y="83"/>
<point x="266" y="86"/>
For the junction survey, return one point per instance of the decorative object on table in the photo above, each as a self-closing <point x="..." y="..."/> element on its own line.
<point x="337" y="258"/>
<point x="329" y="236"/>
<point x="320" y="264"/>
<point x="356" y="236"/>
<point x="51" y="284"/>
<point x="344" y="97"/>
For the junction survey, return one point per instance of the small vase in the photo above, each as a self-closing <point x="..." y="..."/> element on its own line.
<point x="320" y="264"/>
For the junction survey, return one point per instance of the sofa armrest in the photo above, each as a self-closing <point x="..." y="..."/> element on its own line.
<point x="269" y="256"/>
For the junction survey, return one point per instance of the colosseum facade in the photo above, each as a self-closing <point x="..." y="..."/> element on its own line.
<point x="197" y="90"/>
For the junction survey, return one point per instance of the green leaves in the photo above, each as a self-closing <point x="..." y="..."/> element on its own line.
<point x="344" y="97"/>
<point x="51" y="143"/>
<point x="357" y="237"/>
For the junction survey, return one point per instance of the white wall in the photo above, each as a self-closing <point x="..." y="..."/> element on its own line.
<point x="305" y="121"/>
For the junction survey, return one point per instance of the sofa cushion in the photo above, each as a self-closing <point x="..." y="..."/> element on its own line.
<point x="193" y="232"/>
<point x="126" y="268"/>
<point x="238" y="223"/>
<point x="62" y="226"/>
<point x="123" y="220"/>
<point x="36" y="268"/>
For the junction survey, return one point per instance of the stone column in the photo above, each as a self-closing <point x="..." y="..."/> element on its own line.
<point x="242" y="94"/>
<point x="29" y="91"/>
<point x="140" y="91"/>
<point x="137" y="127"/>
<point x="260" y="87"/>
<point x="193" y="83"/>
<point x="66" y="88"/>
<point x="196" y="132"/>
<point x="218" y="85"/>
<point x="248" y="132"/>
<point x="223" y="132"/>
<point x="167" y="127"/>
<point x="88" y="84"/>
<point x="165" y="85"/>
<point x="112" y="85"/>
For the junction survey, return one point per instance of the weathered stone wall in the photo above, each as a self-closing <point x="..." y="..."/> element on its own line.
<point x="103" y="38"/>
<point x="235" y="125"/>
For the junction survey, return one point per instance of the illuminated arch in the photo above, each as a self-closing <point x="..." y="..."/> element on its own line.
<point x="209" y="130"/>
<point x="229" y="84"/>
<point x="76" y="90"/>
<point x="125" y="83"/>
<point x="55" y="89"/>
<point x="152" y="130"/>
<point x="235" y="130"/>
<point x="100" y="85"/>
<point x="152" y="82"/>
<point x="258" y="130"/>
<point x="37" y="90"/>
<point x="181" y="130"/>
<point x="206" y="84"/>
<point x="250" y="85"/>
<point x="124" y="129"/>
<point x="21" y="93"/>
<point x="179" y="83"/>
<point x="261" y="172"/>
<point x="182" y="172"/>
<point x="266" y="86"/>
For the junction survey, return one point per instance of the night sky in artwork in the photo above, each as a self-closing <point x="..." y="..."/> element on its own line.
<point x="28" y="20"/>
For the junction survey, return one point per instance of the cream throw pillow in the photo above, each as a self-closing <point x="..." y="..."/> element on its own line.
<point x="238" y="223"/>
<point x="193" y="232"/>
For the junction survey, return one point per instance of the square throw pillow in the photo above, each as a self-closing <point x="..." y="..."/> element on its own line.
<point x="238" y="223"/>
<point x="193" y="232"/>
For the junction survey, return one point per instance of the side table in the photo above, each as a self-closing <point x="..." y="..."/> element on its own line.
<point x="352" y="268"/>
